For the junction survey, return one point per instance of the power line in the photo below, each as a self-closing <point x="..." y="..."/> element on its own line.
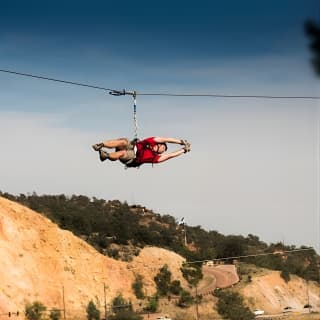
<point x="242" y="257"/>
<point x="168" y="94"/>
<point x="251" y="255"/>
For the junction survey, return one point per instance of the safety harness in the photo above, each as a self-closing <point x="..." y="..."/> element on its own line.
<point x="135" y="163"/>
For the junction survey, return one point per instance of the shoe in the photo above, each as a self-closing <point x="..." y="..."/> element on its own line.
<point x="184" y="142"/>
<point x="98" y="146"/>
<point x="187" y="147"/>
<point x="103" y="155"/>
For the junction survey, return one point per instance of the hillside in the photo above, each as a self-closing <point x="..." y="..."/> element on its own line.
<point x="40" y="261"/>
<point x="119" y="231"/>
<point x="271" y="293"/>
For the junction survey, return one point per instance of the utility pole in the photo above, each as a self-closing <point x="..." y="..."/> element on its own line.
<point x="308" y="297"/>
<point x="197" y="308"/>
<point x="183" y="230"/>
<point x="105" y="301"/>
<point x="64" y="304"/>
<point x="185" y="236"/>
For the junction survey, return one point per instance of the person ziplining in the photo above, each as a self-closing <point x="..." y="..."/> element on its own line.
<point x="134" y="153"/>
<point x="137" y="152"/>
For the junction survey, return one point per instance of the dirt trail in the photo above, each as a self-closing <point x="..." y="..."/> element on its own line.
<point x="221" y="276"/>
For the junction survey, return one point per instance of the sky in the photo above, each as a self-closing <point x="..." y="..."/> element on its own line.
<point x="254" y="163"/>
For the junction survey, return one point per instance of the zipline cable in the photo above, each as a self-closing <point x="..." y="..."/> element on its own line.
<point x="56" y="80"/>
<point x="228" y="96"/>
<point x="168" y="94"/>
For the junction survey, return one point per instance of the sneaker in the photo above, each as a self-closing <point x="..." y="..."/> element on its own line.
<point x="98" y="146"/>
<point x="187" y="147"/>
<point x="184" y="142"/>
<point x="103" y="155"/>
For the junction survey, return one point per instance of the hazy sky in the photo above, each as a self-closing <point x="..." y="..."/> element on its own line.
<point x="254" y="164"/>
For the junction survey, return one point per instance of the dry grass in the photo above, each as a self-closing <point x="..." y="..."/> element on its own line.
<point x="308" y="316"/>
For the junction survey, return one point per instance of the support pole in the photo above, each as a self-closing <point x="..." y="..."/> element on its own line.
<point x="105" y="301"/>
<point x="64" y="304"/>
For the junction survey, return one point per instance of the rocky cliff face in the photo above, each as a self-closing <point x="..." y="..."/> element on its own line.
<point x="272" y="294"/>
<point x="39" y="261"/>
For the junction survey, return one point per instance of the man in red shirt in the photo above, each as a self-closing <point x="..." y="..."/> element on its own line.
<point x="135" y="153"/>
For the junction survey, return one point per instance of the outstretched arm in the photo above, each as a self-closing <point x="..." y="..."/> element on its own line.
<point x="167" y="156"/>
<point x="168" y="140"/>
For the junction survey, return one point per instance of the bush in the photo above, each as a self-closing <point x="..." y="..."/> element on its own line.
<point x="126" y="315"/>
<point x="137" y="287"/>
<point x="123" y="309"/>
<point x="119" y="304"/>
<point x="55" y="314"/>
<point x="285" y="275"/>
<point x="92" y="312"/>
<point x="163" y="280"/>
<point x="185" y="299"/>
<point x="175" y="287"/>
<point x="231" y="306"/>
<point x="35" y="310"/>
<point x="153" y="303"/>
<point x="193" y="274"/>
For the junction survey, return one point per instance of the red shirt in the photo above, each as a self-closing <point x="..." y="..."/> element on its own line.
<point x="144" y="153"/>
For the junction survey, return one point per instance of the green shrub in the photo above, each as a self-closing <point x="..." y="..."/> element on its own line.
<point x="285" y="275"/>
<point x="153" y="303"/>
<point x="123" y="310"/>
<point x="175" y="287"/>
<point x="163" y="280"/>
<point x="137" y="287"/>
<point x="231" y="306"/>
<point x="92" y="312"/>
<point x="193" y="274"/>
<point x="55" y="314"/>
<point x="35" y="310"/>
<point x="185" y="299"/>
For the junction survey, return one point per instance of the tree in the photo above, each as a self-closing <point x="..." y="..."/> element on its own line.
<point x="285" y="274"/>
<point x="137" y="287"/>
<point x="175" y="287"/>
<point x="193" y="274"/>
<point x="313" y="32"/>
<point x="35" y="310"/>
<point x="231" y="306"/>
<point x="119" y="303"/>
<point x="232" y="246"/>
<point x="126" y="315"/>
<point x="163" y="280"/>
<point x="185" y="299"/>
<point x="92" y="312"/>
<point x="153" y="303"/>
<point x="55" y="314"/>
<point x="122" y="309"/>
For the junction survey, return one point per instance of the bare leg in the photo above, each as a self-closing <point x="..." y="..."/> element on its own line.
<point x="120" y="146"/>
<point x="117" y="143"/>
<point x="113" y="156"/>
